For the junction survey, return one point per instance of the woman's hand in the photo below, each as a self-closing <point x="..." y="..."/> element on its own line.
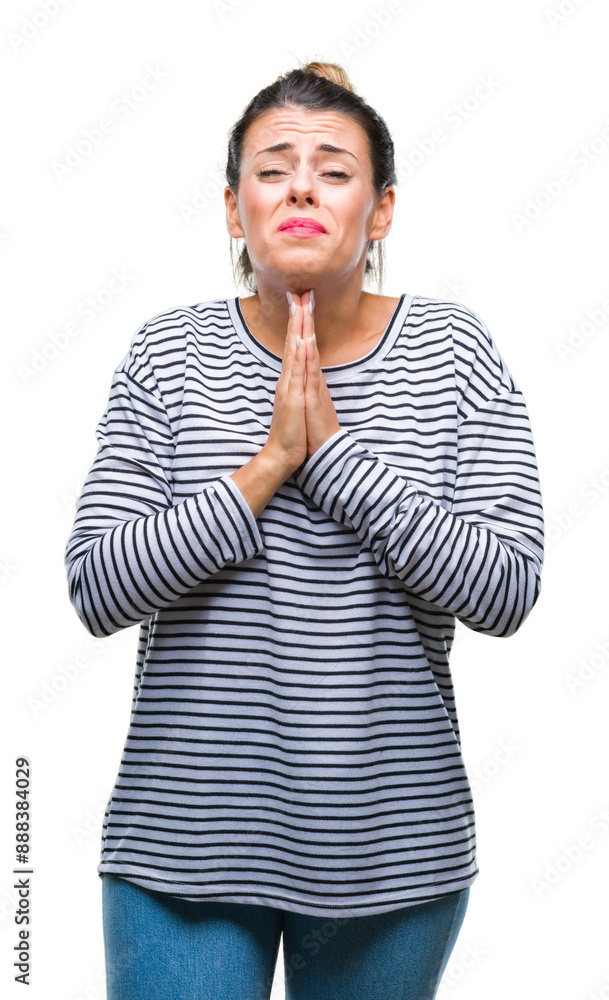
<point x="320" y="414"/>
<point x="303" y="415"/>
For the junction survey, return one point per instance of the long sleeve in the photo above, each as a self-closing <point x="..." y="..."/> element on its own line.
<point x="481" y="560"/>
<point x="132" y="552"/>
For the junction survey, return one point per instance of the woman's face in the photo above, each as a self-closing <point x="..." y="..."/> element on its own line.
<point x="334" y="188"/>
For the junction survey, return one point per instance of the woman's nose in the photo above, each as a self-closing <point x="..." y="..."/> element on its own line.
<point x="302" y="186"/>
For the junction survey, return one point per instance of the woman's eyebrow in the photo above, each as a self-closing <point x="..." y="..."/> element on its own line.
<point x="324" y="147"/>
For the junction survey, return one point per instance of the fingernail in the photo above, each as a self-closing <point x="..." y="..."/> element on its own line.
<point x="312" y="301"/>
<point x="313" y="338"/>
<point x="290" y="297"/>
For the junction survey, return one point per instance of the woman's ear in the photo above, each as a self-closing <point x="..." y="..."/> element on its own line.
<point x="233" y="223"/>
<point x="384" y="215"/>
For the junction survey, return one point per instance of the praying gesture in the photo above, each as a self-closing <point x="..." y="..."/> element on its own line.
<point x="303" y="416"/>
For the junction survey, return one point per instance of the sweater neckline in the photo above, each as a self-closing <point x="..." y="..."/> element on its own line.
<point x="332" y="373"/>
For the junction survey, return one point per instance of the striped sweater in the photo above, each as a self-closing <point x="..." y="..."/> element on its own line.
<point x="294" y="739"/>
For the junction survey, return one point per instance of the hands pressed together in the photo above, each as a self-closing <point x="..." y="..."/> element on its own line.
<point x="303" y="415"/>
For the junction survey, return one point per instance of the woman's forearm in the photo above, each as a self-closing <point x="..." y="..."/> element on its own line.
<point x="123" y="564"/>
<point x="260" y="478"/>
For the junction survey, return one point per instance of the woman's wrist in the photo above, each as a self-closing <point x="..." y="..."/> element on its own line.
<point x="260" y="478"/>
<point x="277" y="466"/>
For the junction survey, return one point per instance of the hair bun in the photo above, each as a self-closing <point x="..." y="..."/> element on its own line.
<point x="331" y="71"/>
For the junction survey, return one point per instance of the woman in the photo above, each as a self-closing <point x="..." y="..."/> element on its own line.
<point x="294" y="496"/>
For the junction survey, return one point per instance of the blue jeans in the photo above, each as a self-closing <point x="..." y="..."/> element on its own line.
<point x="160" y="947"/>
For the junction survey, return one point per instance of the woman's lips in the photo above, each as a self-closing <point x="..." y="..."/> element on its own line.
<point x="301" y="231"/>
<point x="303" y="225"/>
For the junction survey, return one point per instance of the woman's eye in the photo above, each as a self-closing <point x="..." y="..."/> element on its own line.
<point x="328" y="173"/>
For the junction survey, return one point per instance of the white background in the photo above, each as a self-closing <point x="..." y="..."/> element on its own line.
<point x="537" y="917"/>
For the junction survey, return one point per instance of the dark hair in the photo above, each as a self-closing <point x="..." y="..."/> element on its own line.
<point x="317" y="85"/>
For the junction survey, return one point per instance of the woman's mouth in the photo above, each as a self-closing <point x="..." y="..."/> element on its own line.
<point x="301" y="226"/>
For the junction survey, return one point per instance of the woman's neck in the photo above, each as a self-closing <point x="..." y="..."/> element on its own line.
<point x="342" y="327"/>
